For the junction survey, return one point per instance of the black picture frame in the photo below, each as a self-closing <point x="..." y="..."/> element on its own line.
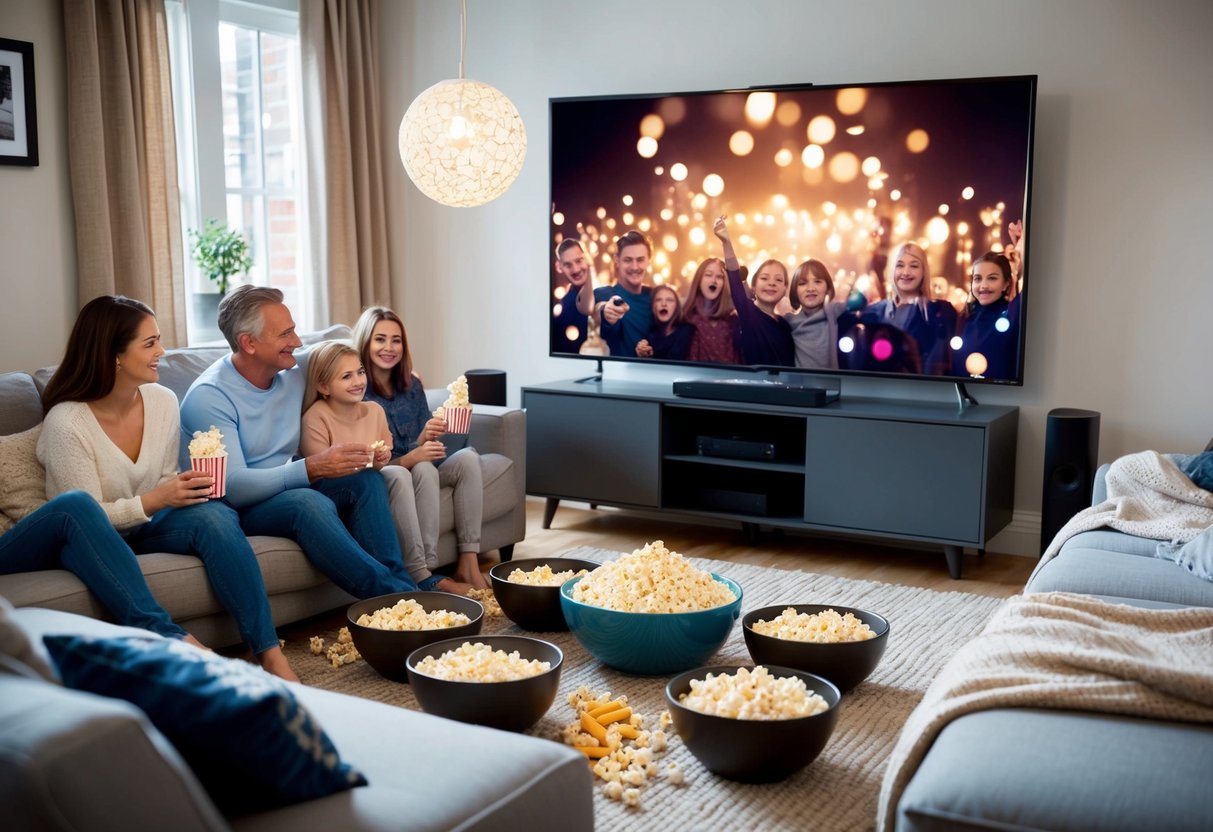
<point x="18" y="104"/>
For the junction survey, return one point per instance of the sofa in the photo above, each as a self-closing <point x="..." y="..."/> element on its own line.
<point x="1035" y="768"/>
<point x="72" y="760"/>
<point x="296" y="589"/>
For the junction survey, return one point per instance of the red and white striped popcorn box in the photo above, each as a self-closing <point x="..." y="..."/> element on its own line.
<point x="216" y="467"/>
<point x="458" y="419"/>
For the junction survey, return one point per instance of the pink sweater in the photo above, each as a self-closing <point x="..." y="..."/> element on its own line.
<point x="322" y="428"/>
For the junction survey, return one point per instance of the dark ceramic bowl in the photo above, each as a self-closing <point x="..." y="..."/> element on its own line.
<point x="646" y="643"/>
<point x="846" y="664"/>
<point x="511" y="706"/>
<point x="753" y="750"/>
<point x="386" y="650"/>
<point x="533" y="607"/>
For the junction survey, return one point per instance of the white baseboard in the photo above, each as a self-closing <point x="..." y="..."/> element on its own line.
<point x="1020" y="537"/>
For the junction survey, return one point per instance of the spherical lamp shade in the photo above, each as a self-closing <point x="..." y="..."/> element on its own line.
<point x="462" y="143"/>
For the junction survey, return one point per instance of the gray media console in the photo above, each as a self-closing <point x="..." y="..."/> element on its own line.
<point x="925" y="472"/>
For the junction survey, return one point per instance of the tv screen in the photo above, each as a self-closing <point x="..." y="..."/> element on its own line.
<point x="875" y="229"/>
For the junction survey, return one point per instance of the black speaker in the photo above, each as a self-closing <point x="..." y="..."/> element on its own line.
<point x="1071" y="454"/>
<point x="486" y="386"/>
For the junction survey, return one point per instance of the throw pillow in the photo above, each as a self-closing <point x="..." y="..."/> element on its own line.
<point x="15" y="644"/>
<point x="22" y="477"/>
<point x="248" y="739"/>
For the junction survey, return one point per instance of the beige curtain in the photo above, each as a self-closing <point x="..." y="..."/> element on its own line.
<point x="123" y="156"/>
<point x="341" y="69"/>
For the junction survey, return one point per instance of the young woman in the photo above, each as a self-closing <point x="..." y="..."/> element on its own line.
<point x="382" y="344"/>
<point x="814" y="321"/>
<point x="763" y="336"/>
<point x="709" y="309"/>
<point x="988" y="344"/>
<point x="931" y="323"/>
<point x="669" y="336"/>
<point x="114" y="433"/>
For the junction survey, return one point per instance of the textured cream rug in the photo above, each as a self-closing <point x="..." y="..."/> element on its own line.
<point x="838" y="791"/>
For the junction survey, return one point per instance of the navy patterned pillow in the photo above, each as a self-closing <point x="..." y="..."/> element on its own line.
<point x="247" y="738"/>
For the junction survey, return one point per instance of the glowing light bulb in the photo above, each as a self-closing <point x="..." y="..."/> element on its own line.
<point x="846" y="344"/>
<point x="976" y="364"/>
<point x="741" y="143"/>
<point x="646" y="146"/>
<point x="678" y="171"/>
<point x="713" y="184"/>
<point x="1002" y="324"/>
<point x="957" y="342"/>
<point x="882" y="349"/>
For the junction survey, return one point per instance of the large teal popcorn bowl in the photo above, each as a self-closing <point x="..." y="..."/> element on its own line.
<point x="646" y="643"/>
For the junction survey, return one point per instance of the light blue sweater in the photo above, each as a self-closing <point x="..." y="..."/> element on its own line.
<point x="260" y="428"/>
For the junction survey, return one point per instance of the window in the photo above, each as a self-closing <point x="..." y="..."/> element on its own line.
<point x="237" y="92"/>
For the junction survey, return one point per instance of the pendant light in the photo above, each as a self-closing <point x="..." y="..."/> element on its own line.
<point x="462" y="142"/>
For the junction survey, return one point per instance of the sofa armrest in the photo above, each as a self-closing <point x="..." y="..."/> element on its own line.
<point x="1099" y="492"/>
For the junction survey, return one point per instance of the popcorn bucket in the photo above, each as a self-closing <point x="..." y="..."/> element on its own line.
<point x="216" y="467"/>
<point x="458" y="419"/>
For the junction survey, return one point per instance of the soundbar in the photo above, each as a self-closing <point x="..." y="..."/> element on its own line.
<point x="755" y="390"/>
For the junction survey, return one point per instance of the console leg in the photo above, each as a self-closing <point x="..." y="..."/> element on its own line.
<point x="549" y="511"/>
<point x="750" y="530"/>
<point x="953" y="555"/>
<point x="506" y="552"/>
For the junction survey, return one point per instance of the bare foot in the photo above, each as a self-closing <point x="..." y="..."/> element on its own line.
<point x="274" y="661"/>
<point x="454" y="585"/>
<point x="189" y="639"/>
<point x="468" y="569"/>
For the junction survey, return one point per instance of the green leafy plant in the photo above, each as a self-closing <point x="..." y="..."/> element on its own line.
<point x="220" y="252"/>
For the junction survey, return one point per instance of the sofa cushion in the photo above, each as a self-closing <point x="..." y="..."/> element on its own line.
<point x="15" y="645"/>
<point x="249" y="740"/>
<point x="22" y="405"/>
<point x="22" y="477"/>
<point x="1032" y="769"/>
<point x="1102" y="572"/>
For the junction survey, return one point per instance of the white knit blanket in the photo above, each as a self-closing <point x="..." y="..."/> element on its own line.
<point x="1067" y="651"/>
<point x="1148" y="496"/>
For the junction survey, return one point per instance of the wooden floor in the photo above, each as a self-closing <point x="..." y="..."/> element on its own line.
<point x="576" y="525"/>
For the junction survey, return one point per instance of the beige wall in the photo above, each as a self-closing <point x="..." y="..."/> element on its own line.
<point x="37" y="232"/>
<point x="1121" y="287"/>
<point x="1121" y="292"/>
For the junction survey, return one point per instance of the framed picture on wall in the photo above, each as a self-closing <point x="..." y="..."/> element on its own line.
<point x="18" y="105"/>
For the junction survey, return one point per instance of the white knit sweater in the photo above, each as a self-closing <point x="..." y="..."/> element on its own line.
<point x="77" y="454"/>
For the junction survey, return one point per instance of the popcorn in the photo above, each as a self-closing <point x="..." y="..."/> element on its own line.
<point x="543" y="575"/>
<point x="207" y="454"/>
<point x="457" y="409"/>
<point x="481" y="663"/>
<point x="207" y="443"/>
<point x="753" y="695"/>
<point x="407" y="614"/>
<point x="316" y="645"/>
<point x="487" y="600"/>
<point x="342" y="651"/>
<point x="826" y="627"/>
<point x="376" y="446"/>
<point x="652" y="579"/>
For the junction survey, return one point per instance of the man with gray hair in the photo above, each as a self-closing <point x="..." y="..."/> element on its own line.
<point x="330" y="503"/>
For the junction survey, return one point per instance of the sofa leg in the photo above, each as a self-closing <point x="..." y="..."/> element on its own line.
<point x="506" y="552"/>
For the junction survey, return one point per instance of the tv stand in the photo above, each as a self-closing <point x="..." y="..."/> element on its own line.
<point x="891" y="469"/>
<point x="966" y="399"/>
<point x="596" y="377"/>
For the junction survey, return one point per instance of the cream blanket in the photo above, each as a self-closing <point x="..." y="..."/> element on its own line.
<point x="1067" y="651"/>
<point x="1148" y="496"/>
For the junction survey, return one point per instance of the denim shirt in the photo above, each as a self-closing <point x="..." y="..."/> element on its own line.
<point x="407" y="412"/>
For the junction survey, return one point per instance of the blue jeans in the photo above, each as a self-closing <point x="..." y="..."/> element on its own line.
<point x="345" y="528"/>
<point x="72" y="532"/>
<point x="211" y="532"/>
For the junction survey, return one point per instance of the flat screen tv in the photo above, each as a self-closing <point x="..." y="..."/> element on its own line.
<point x="877" y="229"/>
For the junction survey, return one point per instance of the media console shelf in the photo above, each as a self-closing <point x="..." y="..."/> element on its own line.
<point x="925" y="472"/>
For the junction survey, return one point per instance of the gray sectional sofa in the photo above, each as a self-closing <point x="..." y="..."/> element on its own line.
<point x="296" y="589"/>
<point x="1038" y="769"/>
<point x="71" y="760"/>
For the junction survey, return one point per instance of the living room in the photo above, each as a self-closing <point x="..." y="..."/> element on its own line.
<point x="1120" y="182"/>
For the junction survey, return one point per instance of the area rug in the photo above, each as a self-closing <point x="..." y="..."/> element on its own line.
<point x="838" y="791"/>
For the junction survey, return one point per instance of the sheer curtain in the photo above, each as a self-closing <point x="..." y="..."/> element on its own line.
<point x="122" y="156"/>
<point x="341" y="104"/>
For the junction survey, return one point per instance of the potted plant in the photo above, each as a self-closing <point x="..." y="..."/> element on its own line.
<point x="220" y="253"/>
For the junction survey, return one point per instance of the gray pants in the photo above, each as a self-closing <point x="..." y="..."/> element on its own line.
<point x="414" y="497"/>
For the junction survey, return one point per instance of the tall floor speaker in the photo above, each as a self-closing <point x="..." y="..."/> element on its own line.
<point x="1071" y="452"/>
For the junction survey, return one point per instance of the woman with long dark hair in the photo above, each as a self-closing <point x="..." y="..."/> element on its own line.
<point x="114" y="433"/>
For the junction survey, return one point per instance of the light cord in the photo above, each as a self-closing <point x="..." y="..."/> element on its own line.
<point x="463" y="36"/>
